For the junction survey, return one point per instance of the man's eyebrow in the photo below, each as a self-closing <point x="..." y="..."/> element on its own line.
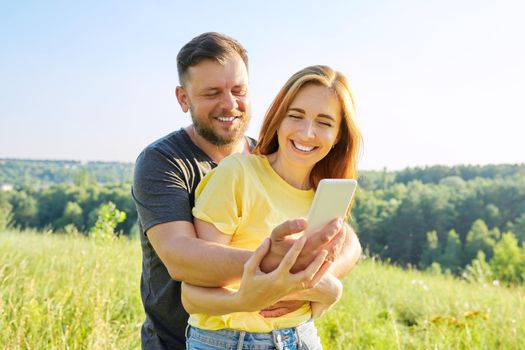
<point x="210" y="89"/>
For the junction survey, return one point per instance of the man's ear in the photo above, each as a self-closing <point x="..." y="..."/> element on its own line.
<point x="182" y="98"/>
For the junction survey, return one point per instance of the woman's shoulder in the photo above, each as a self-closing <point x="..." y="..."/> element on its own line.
<point x="243" y="160"/>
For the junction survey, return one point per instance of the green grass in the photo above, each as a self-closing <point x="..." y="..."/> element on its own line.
<point x="384" y="307"/>
<point x="70" y="292"/>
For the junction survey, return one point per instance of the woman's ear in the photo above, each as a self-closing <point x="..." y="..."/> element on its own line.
<point x="337" y="139"/>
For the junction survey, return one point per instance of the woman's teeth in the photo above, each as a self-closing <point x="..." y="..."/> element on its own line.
<point x="302" y="147"/>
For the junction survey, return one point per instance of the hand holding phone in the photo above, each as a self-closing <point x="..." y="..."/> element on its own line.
<point x="332" y="199"/>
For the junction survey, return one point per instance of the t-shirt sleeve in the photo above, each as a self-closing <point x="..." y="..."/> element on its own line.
<point x="218" y="198"/>
<point x="159" y="190"/>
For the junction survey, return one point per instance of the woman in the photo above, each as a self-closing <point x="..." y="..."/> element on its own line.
<point x="309" y="133"/>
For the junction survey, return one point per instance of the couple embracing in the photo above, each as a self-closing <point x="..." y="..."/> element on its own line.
<point x="217" y="210"/>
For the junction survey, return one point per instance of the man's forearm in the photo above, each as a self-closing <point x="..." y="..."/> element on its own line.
<point x="257" y="289"/>
<point x="349" y="256"/>
<point x="208" y="264"/>
<point x="194" y="260"/>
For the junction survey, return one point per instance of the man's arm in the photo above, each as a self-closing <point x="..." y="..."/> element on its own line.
<point x="257" y="289"/>
<point x="208" y="264"/>
<point x="193" y="260"/>
<point x="349" y="255"/>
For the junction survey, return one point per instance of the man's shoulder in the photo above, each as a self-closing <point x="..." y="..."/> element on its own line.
<point x="170" y="143"/>
<point x="175" y="147"/>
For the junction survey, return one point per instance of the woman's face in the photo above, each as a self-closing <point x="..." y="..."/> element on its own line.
<point x="310" y="127"/>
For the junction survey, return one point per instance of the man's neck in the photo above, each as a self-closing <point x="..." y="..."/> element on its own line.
<point x="217" y="153"/>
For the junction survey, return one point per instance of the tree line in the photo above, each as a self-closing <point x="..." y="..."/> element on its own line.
<point x="40" y="173"/>
<point x="463" y="220"/>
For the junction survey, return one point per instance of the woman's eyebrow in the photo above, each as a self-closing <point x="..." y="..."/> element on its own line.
<point x="299" y="110"/>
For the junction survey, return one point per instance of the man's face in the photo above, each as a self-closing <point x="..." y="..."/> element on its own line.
<point x="217" y="97"/>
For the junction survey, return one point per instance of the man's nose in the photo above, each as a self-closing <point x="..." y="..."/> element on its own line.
<point x="229" y="102"/>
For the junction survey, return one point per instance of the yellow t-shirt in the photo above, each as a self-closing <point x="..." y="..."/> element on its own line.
<point x="244" y="197"/>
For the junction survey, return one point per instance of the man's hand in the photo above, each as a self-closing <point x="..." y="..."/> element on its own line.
<point x="322" y="297"/>
<point x="331" y="238"/>
<point x="259" y="289"/>
<point x="282" y="308"/>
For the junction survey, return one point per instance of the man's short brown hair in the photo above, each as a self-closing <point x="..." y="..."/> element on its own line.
<point x="209" y="45"/>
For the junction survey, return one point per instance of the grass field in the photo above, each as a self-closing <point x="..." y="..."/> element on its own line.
<point x="70" y="292"/>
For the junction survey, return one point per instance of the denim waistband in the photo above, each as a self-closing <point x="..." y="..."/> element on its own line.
<point x="283" y="338"/>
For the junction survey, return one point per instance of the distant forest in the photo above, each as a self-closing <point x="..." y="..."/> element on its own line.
<point x="465" y="220"/>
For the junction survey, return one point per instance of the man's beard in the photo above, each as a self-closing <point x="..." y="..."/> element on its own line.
<point x="206" y="131"/>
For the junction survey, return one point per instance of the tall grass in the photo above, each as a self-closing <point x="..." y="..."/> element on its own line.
<point x="70" y="292"/>
<point x="384" y="307"/>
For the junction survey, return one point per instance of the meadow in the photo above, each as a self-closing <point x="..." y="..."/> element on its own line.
<point x="71" y="292"/>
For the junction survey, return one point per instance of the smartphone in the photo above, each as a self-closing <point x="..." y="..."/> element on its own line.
<point x="332" y="199"/>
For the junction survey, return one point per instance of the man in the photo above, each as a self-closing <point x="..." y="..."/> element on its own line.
<point x="213" y="73"/>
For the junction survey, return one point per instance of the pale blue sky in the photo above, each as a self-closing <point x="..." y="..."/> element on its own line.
<point x="436" y="82"/>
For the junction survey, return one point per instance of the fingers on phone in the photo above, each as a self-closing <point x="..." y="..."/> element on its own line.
<point x="310" y="276"/>
<point x="325" y="234"/>
<point x="287" y="228"/>
<point x="252" y="264"/>
<point x="290" y="257"/>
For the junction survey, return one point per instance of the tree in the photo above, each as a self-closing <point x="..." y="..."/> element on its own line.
<point x="6" y="218"/>
<point x="73" y="214"/>
<point x="6" y="211"/>
<point x="107" y="220"/>
<point x="478" y="270"/>
<point x="518" y="228"/>
<point x="451" y="258"/>
<point x="492" y="214"/>
<point x="431" y="251"/>
<point x="25" y="210"/>
<point x="479" y="238"/>
<point x="507" y="260"/>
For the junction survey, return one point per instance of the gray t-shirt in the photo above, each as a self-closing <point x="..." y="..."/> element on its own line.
<point x="166" y="175"/>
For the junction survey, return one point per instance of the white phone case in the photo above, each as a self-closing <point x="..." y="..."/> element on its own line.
<point x="332" y="199"/>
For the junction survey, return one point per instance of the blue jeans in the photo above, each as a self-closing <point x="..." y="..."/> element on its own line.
<point x="303" y="337"/>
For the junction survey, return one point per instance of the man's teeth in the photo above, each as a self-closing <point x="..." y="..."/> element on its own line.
<point x="302" y="147"/>
<point x="226" y="119"/>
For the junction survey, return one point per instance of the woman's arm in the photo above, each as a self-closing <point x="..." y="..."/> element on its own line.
<point x="257" y="289"/>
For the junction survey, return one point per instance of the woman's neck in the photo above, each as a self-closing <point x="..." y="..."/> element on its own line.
<point x="297" y="177"/>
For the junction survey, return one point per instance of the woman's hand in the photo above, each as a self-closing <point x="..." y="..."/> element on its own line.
<point x="330" y="237"/>
<point x="259" y="290"/>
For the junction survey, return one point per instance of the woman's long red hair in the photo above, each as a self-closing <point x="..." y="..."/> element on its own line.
<point x="341" y="161"/>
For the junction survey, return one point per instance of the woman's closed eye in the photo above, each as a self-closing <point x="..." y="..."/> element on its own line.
<point x="325" y="123"/>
